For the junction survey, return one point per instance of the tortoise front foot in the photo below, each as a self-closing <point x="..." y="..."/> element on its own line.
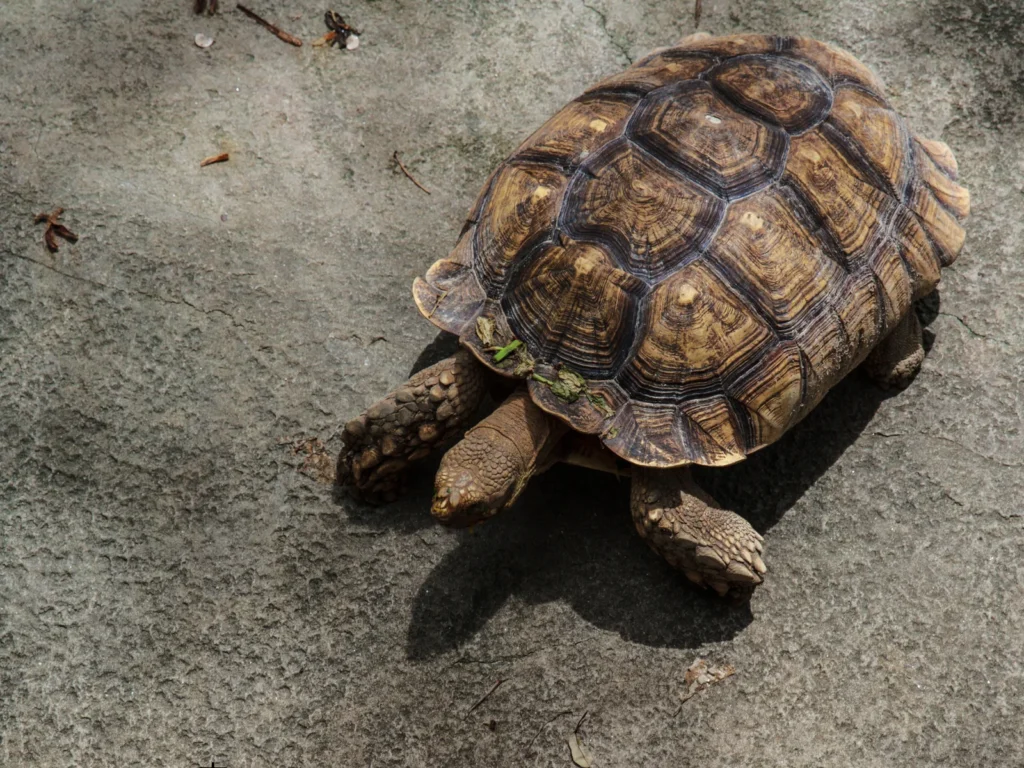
<point x="425" y="413"/>
<point x="896" y="360"/>
<point x="714" y="547"/>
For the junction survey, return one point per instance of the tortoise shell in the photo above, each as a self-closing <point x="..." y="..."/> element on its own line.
<point x="687" y="257"/>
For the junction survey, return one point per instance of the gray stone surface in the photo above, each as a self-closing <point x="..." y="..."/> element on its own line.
<point x="174" y="591"/>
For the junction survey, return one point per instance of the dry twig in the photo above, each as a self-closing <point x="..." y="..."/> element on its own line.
<point x="485" y="696"/>
<point x="406" y="172"/>
<point x="221" y="158"/>
<point x="696" y="13"/>
<point x="55" y="228"/>
<point x="280" y="33"/>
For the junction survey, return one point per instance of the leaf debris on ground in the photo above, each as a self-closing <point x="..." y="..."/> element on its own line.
<point x="54" y="229"/>
<point x="317" y="462"/>
<point x="702" y="674"/>
<point x="579" y="757"/>
<point x="340" y="33"/>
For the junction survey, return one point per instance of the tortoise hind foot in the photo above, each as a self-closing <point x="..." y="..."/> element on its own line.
<point x="427" y="412"/>
<point x="896" y="360"/>
<point x="712" y="546"/>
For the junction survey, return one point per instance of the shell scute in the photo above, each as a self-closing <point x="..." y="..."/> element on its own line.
<point x="696" y="329"/>
<point x="782" y="91"/>
<point x="652" y="220"/>
<point x="765" y="249"/>
<point x="522" y="208"/>
<point x="852" y="209"/>
<point x="837" y="66"/>
<point x="573" y="305"/>
<point x="769" y="393"/>
<point x="691" y="127"/>
<point x="875" y="134"/>
<point x="581" y="128"/>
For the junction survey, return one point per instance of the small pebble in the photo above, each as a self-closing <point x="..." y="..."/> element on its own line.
<point x="203" y="41"/>
<point x="351" y="42"/>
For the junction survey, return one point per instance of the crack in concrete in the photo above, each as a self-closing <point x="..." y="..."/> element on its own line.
<point x="604" y="28"/>
<point x="985" y="456"/>
<point x="974" y="332"/>
<point x="133" y="292"/>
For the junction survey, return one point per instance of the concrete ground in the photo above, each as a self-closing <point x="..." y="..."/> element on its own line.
<point x="174" y="591"/>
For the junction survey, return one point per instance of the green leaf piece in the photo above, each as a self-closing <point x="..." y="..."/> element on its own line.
<point x="600" y="403"/>
<point x="507" y="350"/>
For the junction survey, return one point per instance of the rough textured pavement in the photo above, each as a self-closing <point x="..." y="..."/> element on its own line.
<point x="174" y="591"/>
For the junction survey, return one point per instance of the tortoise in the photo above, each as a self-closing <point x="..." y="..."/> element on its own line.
<point x="674" y="270"/>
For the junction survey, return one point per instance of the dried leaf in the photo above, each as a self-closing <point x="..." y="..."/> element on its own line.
<point x="485" y="331"/>
<point x="507" y="350"/>
<point x="523" y="362"/>
<point x="317" y="462"/>
<point x="579" y="757"/>
<point x="703" y="675"/>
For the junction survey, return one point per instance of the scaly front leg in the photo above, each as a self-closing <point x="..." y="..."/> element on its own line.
<point x="425" y="413"/>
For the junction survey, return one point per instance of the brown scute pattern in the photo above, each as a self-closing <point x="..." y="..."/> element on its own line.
<point x="656" y="71"/>
<point x="574" y="301"/>
<point x="942" y="227"/>
<point x="696" y="329"/>
<point x="834" y="64"/>
<point x="713" y="238"/>
<point x="711" y="427"/>
<point x="521" y="209"/>
<point x="861" y="313"/>
<point x="781" y="91"/>
<point x="918" y="254"/>
<point x="651" y="219"/>
<point x="895" y="282"/>
<point x="941" y="155"/>
<point x="581" y="413"/>
<point x="581" y="128"/>
<point x="874" y="133"/>
<point x="853" y="210"/>
<point x="949" y="194"/>
<point x="764" y="250"/>
<point x="770" y="393"/>
<point x="691" y="127"/>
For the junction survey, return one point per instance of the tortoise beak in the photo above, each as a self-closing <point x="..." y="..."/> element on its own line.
<point x="460" y="502"/>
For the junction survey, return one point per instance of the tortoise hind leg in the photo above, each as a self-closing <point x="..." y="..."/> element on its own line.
<point x="714" y="547"/>
<point x="898" y="357"/>
<point x="427" y="411"/>
<point x="486" y="471"/>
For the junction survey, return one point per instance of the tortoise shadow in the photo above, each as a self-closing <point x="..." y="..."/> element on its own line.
<point x="571" y="538"/>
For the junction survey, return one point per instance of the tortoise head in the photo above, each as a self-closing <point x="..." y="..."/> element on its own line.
<point x="473" y="483"/>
